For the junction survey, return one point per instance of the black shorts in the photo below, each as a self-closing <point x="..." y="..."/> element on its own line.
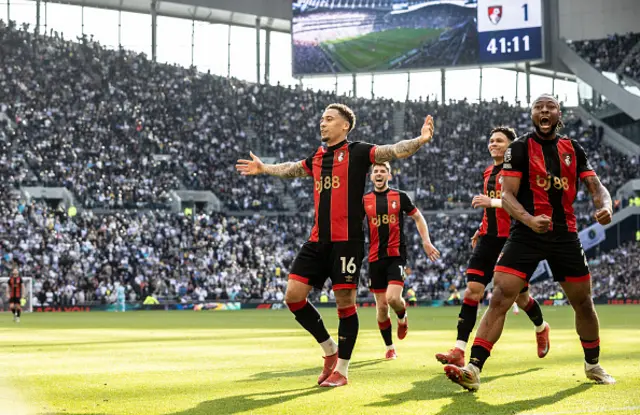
<point x="15" y="300"/>
<point x="340" y="261"/>
<point x="385" y="272"/>
<point x="563" y="251"/>
<point x="483" y="260"/>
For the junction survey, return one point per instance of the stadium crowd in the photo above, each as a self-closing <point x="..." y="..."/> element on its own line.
<point x="609" y="54"/>
<point x="80" y="259"/>
<point x="121" y="132"/>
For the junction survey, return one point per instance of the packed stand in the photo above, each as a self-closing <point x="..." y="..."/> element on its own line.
<point x="121" y="131"/>
<point x="606" y="54"/>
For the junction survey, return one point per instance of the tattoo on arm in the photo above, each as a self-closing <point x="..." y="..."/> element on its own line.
<point x="510" y="203"/>
<point x="599" y="193"/>
<point x="287" y="170"/>
<point x="400" y="150"/>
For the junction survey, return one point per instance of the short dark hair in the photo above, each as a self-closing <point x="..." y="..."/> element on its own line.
<point x="509" y="132"/>
<point x="346" y="112"/>
<point x="386" y="164"/>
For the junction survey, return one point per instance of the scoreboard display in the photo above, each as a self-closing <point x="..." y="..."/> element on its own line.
<point x="509" y="31"/>
<point x="337" y="36"/>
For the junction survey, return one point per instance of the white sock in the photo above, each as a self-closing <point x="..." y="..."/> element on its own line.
<point x="540" y="329"/>
<point x="515" y="307"/>
<point x="462" y="345"/>
<point x="590" y="366"/>
<point x="343" y="367"/>
<point x="392" y="347"/>
<point x="329" y="346"/>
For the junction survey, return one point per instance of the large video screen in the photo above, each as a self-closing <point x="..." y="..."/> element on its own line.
<point x="349" y="36"/>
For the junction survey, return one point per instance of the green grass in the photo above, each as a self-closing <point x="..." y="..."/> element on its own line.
<point x="262" y="362"/>
<point x="374" y="51"/>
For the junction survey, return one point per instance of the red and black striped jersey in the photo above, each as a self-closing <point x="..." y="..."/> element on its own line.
<point x="15" y="286"/>
<point x="550" y="171"/>
<point x="339" y="177"/>
<point x="385" y="217"/>
<point x="495" y="221"/>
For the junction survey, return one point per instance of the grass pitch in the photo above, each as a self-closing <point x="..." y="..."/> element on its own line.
<point x="375" y="51"/>
<point x="260" y="361"/>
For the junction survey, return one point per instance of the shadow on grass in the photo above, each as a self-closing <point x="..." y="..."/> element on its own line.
<point x="305" y="372"/>
<point x="250" y="402"/>
<point x="238" y="403"/>
<point x="439" y="387"/>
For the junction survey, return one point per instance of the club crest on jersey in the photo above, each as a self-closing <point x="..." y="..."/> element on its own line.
<point x="500" y="180"/>
<point x="566" y="157"/>
<point x="340" y="156"/>
<point x="393" y="204"/>
<point x="495" y="14"/>
<point x="507" y="155"/>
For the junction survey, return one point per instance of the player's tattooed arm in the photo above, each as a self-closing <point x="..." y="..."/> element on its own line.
<point x="255" y="166"/>
<point x="601" y="199"/>
<point x="405" y="148"/>
<point x="287" y="170"/>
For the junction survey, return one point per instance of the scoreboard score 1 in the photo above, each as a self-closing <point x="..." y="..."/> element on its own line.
<point x="509" y="30"/>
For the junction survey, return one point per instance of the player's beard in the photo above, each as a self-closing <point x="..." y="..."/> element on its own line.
<point x="551" y="132"/>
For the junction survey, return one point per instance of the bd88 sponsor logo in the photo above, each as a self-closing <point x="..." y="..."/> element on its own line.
<point x="383" y="219"/>
<point x="327" y="183"/>
<point x="559" y="183"/>
<point x="494" y="194"/>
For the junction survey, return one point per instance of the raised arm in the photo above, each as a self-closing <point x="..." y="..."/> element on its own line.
<point x="405" y="148"/>
<point x="286" y="170"/>
<point x="601" y="199"/>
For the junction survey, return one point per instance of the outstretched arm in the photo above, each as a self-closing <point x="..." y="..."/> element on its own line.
<point x="601" y="199"/>
<point x="286" y="170"/>
<point x="405" y="148"/>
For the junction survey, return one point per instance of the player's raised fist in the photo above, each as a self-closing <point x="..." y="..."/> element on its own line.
<point x="540" y="223"/>
<point x="426" y="133"/>
<point x="603" y="216"/>
<point x="250" y="167"/>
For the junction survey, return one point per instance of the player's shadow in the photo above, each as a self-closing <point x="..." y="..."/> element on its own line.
<point x="438" y="387"/>
<point x="305" y="372"/>
<point x="250" y="402"/>
<point x="462" y="402"/>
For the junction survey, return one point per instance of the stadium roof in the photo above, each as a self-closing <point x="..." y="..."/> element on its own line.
<point x="275" y="14"/>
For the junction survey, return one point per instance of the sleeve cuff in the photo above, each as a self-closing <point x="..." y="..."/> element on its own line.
<point x="512" y="173"/>
<point x="413" y="212"/>
<point x="587" y="174"/>
<point x="372" y="154"/>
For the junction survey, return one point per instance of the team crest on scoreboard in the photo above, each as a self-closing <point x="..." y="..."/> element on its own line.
<point x="566" y="157"/>
<point x="340" y="156"/>
<point x="495" y="14"/>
